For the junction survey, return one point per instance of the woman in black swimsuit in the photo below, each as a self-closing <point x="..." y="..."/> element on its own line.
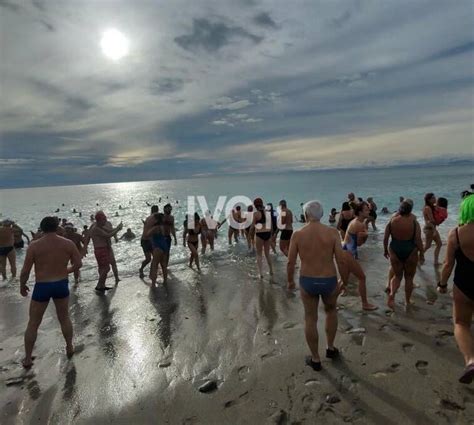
<point x="192" y="239"/>
<point x="345" y="217"/>
<point x="460" y="253"/>
<point x="263" y="235"/>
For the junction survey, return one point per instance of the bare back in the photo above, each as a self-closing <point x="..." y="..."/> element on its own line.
<point x="149" y="223"/>
<point x="6" y="236"/>
<point x="316" y="246"/>
<point x="51" y="255"/>
<point x="466" y="239"/>
<point x="287" y="219"/>
<point x="403" y="228"/>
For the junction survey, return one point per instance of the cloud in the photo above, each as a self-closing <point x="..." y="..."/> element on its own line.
<point x="210" y="79"/>
<point x="212" y="36"/>
<point x="167" y="85"/>
<point x="10" y="6"/>
<point x="228" y="104"/>
<point x="263" y="19"/>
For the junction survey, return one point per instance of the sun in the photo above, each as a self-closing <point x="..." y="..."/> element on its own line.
<point x="114" y="44"/>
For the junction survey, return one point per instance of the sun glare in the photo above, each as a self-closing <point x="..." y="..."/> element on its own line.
<point x="114" y="44"/>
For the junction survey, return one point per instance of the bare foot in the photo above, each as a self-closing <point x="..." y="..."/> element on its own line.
<point x="391" y="302"/>
<point x="117" y="281"/>
<point x="369" y="307"/>
<point x="27" y="363"/>
<point x="69" y="351"/>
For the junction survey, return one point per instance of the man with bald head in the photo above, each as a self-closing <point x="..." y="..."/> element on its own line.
<point x="318" y="246"/>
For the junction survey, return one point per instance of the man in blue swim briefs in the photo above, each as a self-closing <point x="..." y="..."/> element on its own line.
<point x="50" y="255"/>
<point x="317" y="246"/>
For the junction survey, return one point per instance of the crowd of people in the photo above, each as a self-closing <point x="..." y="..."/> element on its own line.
<point x="325" y="252"/>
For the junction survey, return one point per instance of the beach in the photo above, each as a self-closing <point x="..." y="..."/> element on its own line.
<point x="143" y="354"/>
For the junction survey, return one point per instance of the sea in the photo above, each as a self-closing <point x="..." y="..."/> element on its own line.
<point x="129" y="202"/>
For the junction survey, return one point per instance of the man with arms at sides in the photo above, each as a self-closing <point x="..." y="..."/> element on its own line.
<point x="317" y="246"/>
<point x="50" y="256"/>
<point x="7" y="251"/>
<point x="168" y="230"/>
<point x="145" y="241"/>
<point x="101" y="236"/>
<point x="286" y="217"/>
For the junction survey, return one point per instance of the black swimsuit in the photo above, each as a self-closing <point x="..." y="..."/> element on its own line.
<point x="263" y="235"/>
<point x="345" y="223"/>
<point x="464" y="272"/>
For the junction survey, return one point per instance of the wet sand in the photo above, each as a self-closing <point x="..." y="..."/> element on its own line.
<point x="143" y="353"/>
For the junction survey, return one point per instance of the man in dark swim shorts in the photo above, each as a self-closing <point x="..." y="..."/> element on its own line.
<point x="145" y="241"/>
<point x="51" y="282"/>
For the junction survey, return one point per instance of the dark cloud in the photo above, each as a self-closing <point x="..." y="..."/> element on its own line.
<point x="76" y="102"/>
<point x="453" y="51"/>
<point x="341" y="19"/>
<point x="10" y="6"/>
<point x="265" y="20"/>
<point x="166" y="85"/>
<point x="211" y="36"/>
<point x="48" y="26"/>
<point x="39" y="4"/>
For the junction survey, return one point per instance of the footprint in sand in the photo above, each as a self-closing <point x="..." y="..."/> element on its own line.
<point x="243" y="371"/>
<point x="289" y="325"/>
<point x="450" y="405"/>
<point x="407" y="347"/>
<point x="443" y="333"/>
<point x="394" y="367"/>
<point x="242" y="397"/>
<point x="268" y="355"/>
<point x="421" y="366"/>
<point x="312" y="382"/>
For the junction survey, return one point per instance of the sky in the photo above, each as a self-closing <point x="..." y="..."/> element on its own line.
<point x="225" y="87"/>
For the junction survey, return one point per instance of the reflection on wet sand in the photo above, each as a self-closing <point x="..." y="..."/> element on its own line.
<point x="106" y="325"/>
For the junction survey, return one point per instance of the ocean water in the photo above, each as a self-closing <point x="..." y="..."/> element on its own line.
<point x="28" y="206"/>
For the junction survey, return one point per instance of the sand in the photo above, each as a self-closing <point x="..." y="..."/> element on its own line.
<point x="143" y="354"/>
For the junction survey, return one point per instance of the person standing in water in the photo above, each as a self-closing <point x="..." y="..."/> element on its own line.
<point x="372" y="213"/>
<point x="7" y="251"/>
<point x="250" y="230"/>
<point x="406" y="243"/>
<point x="168" y="230"/>
<point x="78" y="240"/>
<point x="318" y="246"/>
<point x="286" y="220"/>
<point x="50" y="256"/>
<point x="208" y="232"/>
<point x="160" y="247"/>
<point x="460" y="256"/>
<point x="101" y="238"/>
<point x="430" y="230"/>
<point x="356" y="236"/>
<point x="145" y="240"/>
<point x="18" y="235"/>
<point x="263" y="234"/>
<point x="345" y="217"/>
<point x="191" y="238"/>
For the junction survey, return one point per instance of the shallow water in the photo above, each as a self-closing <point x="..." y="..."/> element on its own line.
<point x="28" y="206"/>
